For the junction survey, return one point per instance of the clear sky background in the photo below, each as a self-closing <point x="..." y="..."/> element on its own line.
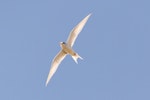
<point x="115" y="45"/>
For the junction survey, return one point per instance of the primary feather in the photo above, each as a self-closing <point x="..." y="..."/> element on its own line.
<point x="75" y="31"/>
<point x="56" y="61"/>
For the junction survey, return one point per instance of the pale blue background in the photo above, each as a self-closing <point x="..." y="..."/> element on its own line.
<point x="115" y="45"/>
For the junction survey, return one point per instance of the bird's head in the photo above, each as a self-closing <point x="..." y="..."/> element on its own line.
<point x="62" y="43"/>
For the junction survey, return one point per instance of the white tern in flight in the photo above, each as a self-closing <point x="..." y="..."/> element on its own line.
<point x="66" y="48"/>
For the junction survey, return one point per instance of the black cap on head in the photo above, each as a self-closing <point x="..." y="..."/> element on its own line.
<point x="63" y="43"/>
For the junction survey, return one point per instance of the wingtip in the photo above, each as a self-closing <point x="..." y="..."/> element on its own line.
<point x="47" y="81"/>
<point x="89" y="14"/>
<point x="46" y="84"/>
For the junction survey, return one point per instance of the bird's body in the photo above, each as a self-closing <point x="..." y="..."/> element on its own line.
<point x="66" y="48"/>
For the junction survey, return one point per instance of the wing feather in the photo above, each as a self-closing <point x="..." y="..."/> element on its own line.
<point x="76" y="30"/>
<point x="55" y="63"/>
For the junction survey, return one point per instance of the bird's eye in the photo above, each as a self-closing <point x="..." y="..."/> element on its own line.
<point x="64" y="43"/>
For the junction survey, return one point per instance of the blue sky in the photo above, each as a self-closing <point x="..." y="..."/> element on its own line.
<point x="114" y="44"/>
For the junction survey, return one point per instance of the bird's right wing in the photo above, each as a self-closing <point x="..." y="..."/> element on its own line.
<point x="76" y="30"/>
<point x="55" y="63"/>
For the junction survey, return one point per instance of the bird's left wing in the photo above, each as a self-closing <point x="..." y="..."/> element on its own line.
<point x="76" y="30"/>
<point x="55" y="63"/>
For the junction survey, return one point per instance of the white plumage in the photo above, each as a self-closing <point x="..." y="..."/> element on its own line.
<point x="67" y="48"/>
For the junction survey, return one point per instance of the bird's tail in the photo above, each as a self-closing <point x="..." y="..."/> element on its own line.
<point x="75" y="58"/>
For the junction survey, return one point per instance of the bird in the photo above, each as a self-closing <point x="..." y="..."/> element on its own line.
<point x="66" y="48"/>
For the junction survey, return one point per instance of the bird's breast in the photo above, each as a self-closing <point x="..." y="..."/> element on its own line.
<point x="67" y="49"/>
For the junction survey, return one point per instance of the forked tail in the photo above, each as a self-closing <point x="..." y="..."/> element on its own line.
<point x="75" y="58"/>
